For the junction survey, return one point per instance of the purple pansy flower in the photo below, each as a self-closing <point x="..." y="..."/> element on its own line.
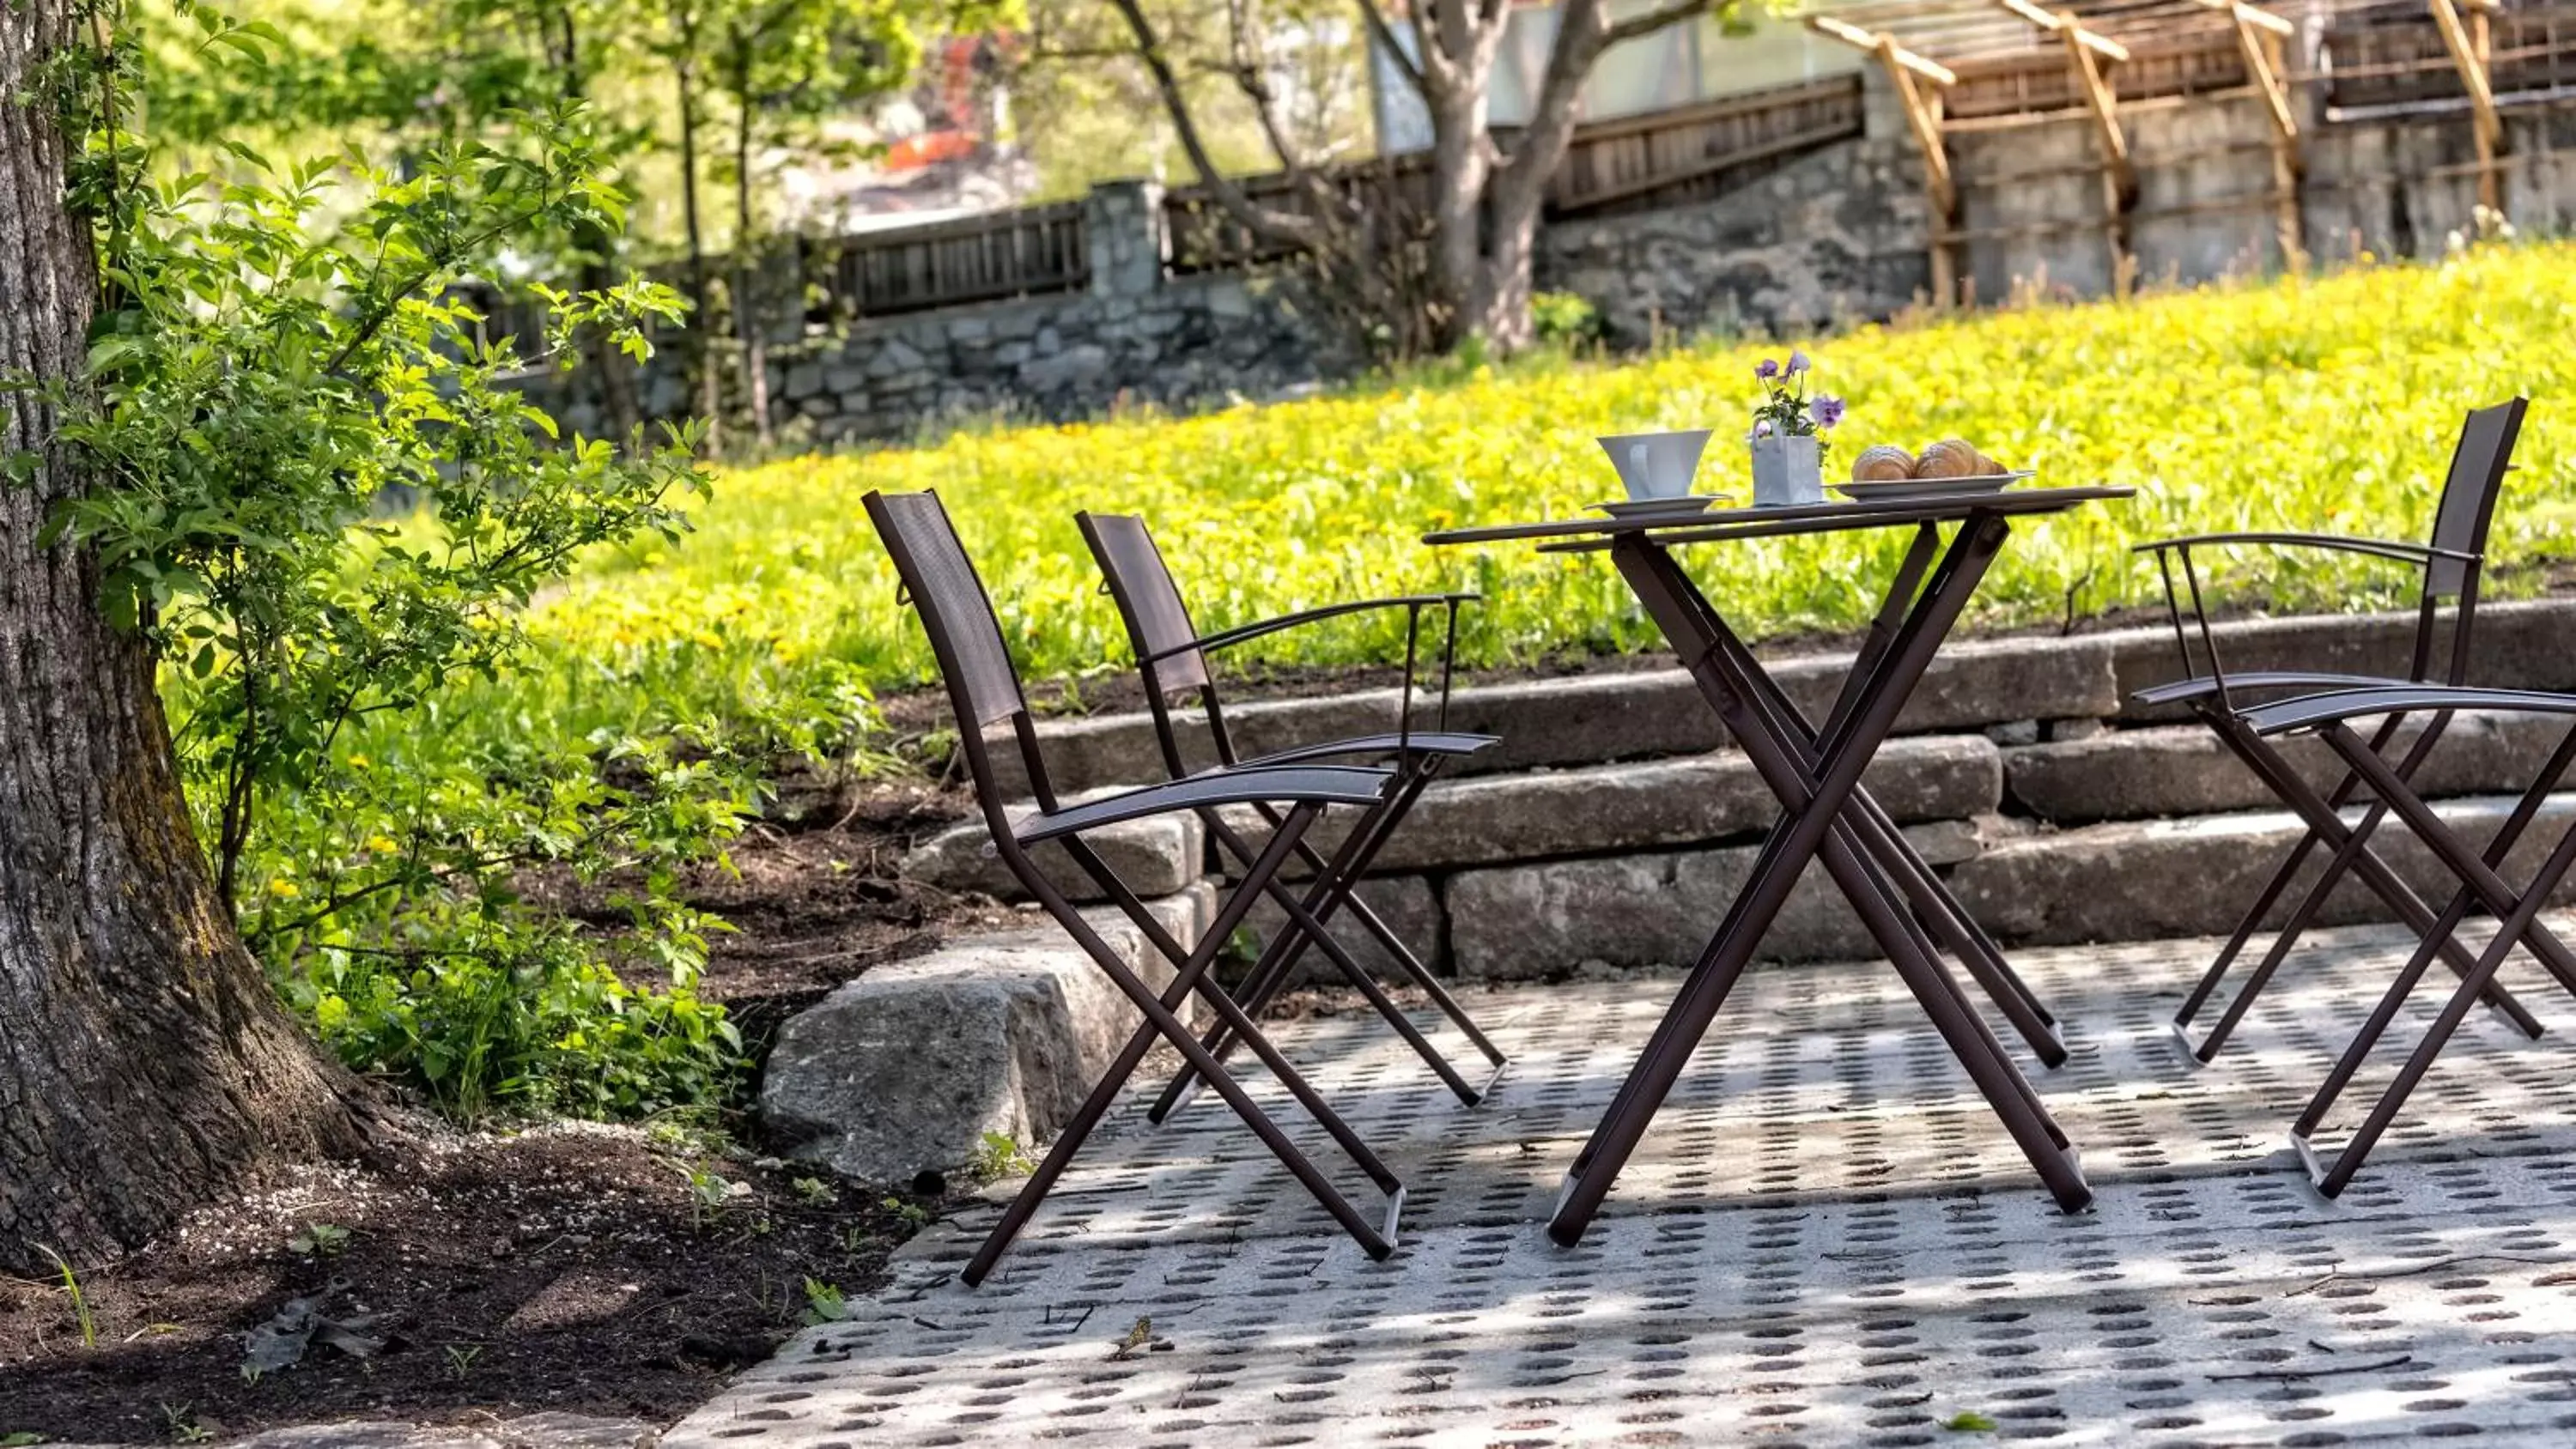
<point x="1797" y="361"/>
<point x="1761" y="429"/>
<point x="1766" y="369"/>
<point x="1829" y="410"/>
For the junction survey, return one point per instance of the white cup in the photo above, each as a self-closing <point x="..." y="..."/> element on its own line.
<point x="1657" y="465"/>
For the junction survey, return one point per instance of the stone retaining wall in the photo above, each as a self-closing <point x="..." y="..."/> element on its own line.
<point x="1611" y="827"/>
<point x="1609" y="833"/>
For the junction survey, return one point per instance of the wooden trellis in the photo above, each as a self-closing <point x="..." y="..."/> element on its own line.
<point x="2087" y="55"/>
<point x="2470" y="48"/>
<point x="2259" y="38"/>
<point x="2092" y="44"/>
<point x="1917" y="82"/>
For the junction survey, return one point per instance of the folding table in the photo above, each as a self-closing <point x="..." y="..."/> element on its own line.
<point x="1814" y="769"/>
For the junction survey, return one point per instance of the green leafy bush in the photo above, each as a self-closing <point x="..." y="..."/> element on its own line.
<point x="322" y="499"/>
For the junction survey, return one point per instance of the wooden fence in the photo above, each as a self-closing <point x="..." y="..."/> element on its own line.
<point x="1634" y="163"/>
<point x="1024" y="252"/>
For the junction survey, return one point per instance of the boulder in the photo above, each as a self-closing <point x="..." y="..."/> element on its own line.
<point x="905" y="1069"/>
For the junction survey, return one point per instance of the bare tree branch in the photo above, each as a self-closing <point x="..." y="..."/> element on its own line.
<point x="1636" y="26"/>
<point x="1251" y="78"/>
<point x="1282" y="227"/>
<point x="1375" y="18"/>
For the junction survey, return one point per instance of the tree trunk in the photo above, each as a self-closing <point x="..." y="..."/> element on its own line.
<point x="746" y="262"/>
<point x="701" y="291"/>
<point x="144" y="1062"/>
<point x="1459" y="168"/>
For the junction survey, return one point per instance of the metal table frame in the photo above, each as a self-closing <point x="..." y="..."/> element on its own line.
<point x="1814" y="771"/>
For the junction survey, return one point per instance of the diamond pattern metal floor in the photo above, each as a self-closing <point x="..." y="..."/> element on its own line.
<point x="1827" y="1240"/>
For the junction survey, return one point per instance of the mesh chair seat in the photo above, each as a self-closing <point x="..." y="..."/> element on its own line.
<point x="1443" y="742"/>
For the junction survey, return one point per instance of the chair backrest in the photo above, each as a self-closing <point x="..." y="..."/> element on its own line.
<point x="965" y="634"/>
<point x="2468" y="504"/>
<point x="1149" y="602"/>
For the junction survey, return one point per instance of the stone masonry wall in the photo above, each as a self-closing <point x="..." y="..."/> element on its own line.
<point x="1839" y="235"/>
<point x="1832" y="238"/>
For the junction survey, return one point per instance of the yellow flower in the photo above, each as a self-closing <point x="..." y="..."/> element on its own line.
<point x="381" y="845"/>
<point x="283" y="889"/>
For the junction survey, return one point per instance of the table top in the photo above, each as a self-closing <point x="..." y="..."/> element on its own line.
<point x="1583" y="535"/>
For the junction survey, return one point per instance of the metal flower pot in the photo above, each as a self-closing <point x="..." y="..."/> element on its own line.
<point x="1788" y="471"/>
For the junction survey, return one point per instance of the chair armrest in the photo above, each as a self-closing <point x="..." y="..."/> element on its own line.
<point x="2374" y="547"/>
<point x="1300" y="784"/>
<point x="1241" y="633"/>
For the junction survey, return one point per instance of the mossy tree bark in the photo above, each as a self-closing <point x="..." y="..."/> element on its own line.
<point x="145" y="1064"/>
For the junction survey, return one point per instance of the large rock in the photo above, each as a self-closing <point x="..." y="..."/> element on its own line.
<point x="905" y="1069"/>
<point x="2521" y="645"/>
<point x="2184" y="770"/>
<point x="1540" y="922"/>
<point x="1488" y="819"/>
<point x="1155" y="856"/>
<point x="2140" y="881"/>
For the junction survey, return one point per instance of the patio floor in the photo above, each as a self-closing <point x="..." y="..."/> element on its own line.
<point x="1827" y="1240"/>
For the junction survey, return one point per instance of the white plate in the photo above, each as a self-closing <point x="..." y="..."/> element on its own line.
<point x="1891" y="488"/>
<point x="1653" y="507"/>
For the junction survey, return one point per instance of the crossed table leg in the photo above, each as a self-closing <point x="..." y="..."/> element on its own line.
<point x="1828" y="816"/>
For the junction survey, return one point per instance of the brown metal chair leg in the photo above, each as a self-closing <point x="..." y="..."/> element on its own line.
<point x="2286" y="784"/>
<point x="2332" y="1179"/>
<point x="2471" y="868"/>
<point x="2284" y="940"/>
<point x="1378" y="1240"/>
<point x="1334" y="887"/>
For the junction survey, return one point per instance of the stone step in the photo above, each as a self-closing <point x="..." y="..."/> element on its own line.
<point x="1976" y="684"/>
<point x="2169" y="770"/>
<point x="1597" y="718"/>
<point x="1616" y="809"/>
<point x="2137" y="881"/>
<point x="2128" y="881"/>
<point x="1483" y="820"/>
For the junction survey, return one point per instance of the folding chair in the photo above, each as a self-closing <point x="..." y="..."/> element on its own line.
<point x="983" y="687"/>
<point x="2517" y="913"/>
<point x="1172" y="656"/>
<point x="2450" y="567"/>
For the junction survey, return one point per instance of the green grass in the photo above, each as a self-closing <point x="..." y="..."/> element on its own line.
<point x="2325" y="404"/>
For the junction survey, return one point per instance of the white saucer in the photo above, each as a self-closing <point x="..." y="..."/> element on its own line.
<point x="1656" y="507"/>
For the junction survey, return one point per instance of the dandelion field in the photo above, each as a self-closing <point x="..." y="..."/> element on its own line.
<point x="2319" y="404"/>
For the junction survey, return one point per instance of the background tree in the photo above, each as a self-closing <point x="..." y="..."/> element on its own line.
<point x="1484" y="201"/>
<point x="785" y="65"/>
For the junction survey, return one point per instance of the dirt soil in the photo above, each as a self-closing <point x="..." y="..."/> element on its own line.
<point x="618" y="1273"/>
<point x="569" y="1269"/>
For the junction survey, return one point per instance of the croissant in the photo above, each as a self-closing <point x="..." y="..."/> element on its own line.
<point x="1949" y="458"/>
<point x="1883" y="463"/>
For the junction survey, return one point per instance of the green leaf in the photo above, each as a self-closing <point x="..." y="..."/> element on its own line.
<point x="1969" y="1423"/>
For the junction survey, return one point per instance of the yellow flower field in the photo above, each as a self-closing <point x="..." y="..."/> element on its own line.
<point x="2316" y="404"/>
